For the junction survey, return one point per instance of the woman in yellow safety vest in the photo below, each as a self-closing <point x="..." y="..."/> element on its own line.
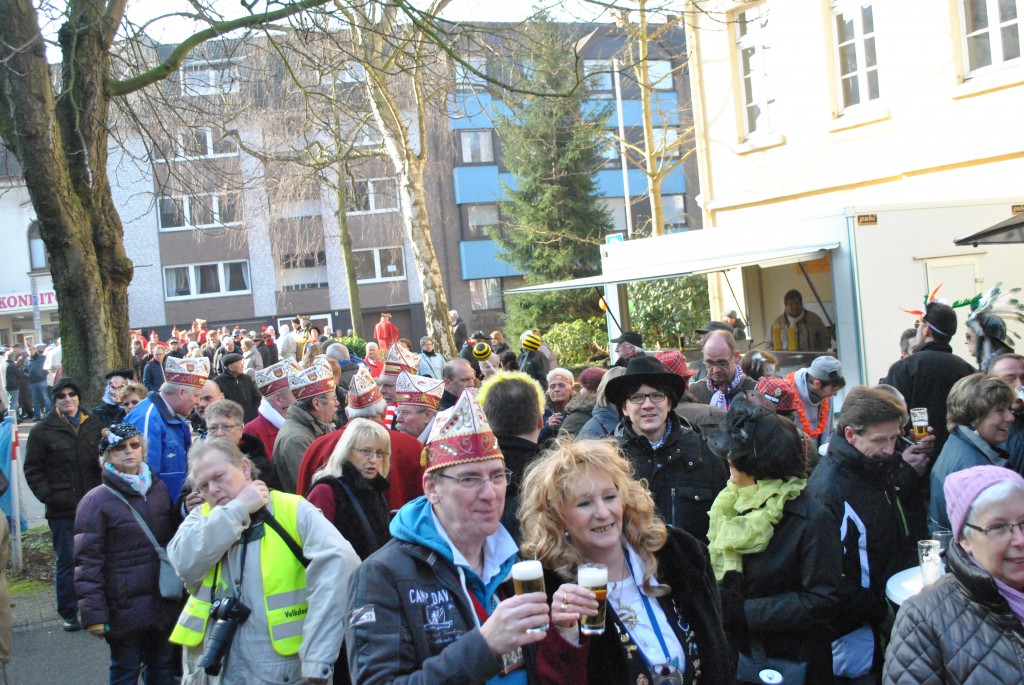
<point x="266" y="574"/>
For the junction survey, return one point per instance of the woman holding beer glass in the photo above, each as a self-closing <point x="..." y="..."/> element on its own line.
<point x="587" y="521"/>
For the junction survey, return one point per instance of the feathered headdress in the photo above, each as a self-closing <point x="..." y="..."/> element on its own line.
<point x="928" y="299"/>
<point x="989" y="312"/>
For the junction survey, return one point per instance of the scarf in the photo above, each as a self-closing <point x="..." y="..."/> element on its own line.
<point x="743" y="520"/>
<point x="720" y="398"/>
<point x="1015" y="598"/>
<point x="140" y="482"/>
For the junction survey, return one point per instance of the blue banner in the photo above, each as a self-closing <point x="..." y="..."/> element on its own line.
<point x="6" y="440"/>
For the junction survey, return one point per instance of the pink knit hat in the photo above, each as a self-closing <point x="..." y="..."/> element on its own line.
<point x="963" y="487"/>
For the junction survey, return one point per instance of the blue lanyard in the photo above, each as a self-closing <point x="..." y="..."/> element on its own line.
<point x="650" y="612"/>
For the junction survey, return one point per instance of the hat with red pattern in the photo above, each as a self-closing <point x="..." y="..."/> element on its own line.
<point x="316" y="380"/>
<point x="459" y="436"/>
<point x="191" y="371"/>
<point x="363" y="391"/>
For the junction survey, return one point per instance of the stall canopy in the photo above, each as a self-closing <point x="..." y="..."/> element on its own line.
<point x="1009" y="231"/>
<point x="684" y="254"/>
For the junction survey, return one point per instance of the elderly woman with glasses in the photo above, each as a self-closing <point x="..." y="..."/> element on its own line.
<point x="131" y="395"/>
<point x="224" y="420"/>
<point x="968" y="627"/>
<point x="665" y="449"/>
<point x="662" y="622"/>
<point x="117" y="569"/>
<point x="350" y="489"/>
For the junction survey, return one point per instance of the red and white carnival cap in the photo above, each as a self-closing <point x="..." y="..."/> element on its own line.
<point x="363" y="390"/>
<point x="420" y="391"/>
<point x="191" y="371"/>
<point x="399" y="359"/>
<point x="459" y="436"/>
<point x="274" y="378"/>
<point x="316" y="380"/>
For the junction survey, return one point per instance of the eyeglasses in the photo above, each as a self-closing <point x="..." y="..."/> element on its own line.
<point x="221" y="428"/>
<point x="120" y="447"/>
<point x="476" y="482"/>
<point x="404" y="413"/>
<point x="369" y="453"/>
<point x="128" y="404"/>
<point x="641" y="397"/>
<point x="998" y="531"/>
<point x="65" y="395"/>
<point x="720" y="363"/>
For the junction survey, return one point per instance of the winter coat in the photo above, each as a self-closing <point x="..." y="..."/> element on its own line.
<point x="107" y="414"/>
<point x="518" y="453"/>
<point x="35" y="368"/>
<point x="703" y="394"/>
<point x="957" y="631"/>
<point x="459" y="332"/>
<point x="466" y="352"/>
<point x="252" y="447"/>
<point x="431" y="365"/>
<point x="705" y="417"/>
<point x="578" y="411"/>
<point x="811" y="333"/>
<point x="603" y="421"/>
<point x="168" y="439"/>
<point x="964" y="449"/>
<point x="13" y="375"/>
<point x="61" y="462"/>
<point x="329" y="497"/>
<point x="299" y="431"/>
<point x="533" y="365"/>
<point x="880" y="522"/>
<point x="117" y="571"/>
<point x="683" y="475"/>
<point x="925" y="379"/>
<point x="412" y="591"/>
<point x="684" y="565"/>
<point x="252" y="361"/>
<point x="243" y="390"/>
<point x="791" y="589"/>
<point x="203" y="541"/>
<point x="263" y="428"/>
<point x="153" y="375"/>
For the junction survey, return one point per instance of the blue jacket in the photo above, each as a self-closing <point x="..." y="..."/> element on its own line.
<point x="964" y="449"/>
<point x="168" y="439"/>
<point x="153" y="376"/>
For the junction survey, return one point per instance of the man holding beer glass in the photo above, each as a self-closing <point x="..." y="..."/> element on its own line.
<point x="636" y="601"/>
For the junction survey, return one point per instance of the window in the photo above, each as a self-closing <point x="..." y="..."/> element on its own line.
<point x="855" y="52"/>
<point x="754" y="56"/>
<point x="480" y="218"/>
<point x="660" y="73"/>
<point x="209" y="78"/>
<point x="665" y="141"/>
<point x="379" y="264"/>
<point x="477" y="147"/>
<point x="39" y="260"/>
<point x="597" y="74"/>
<point x="373" y="195"/>
<point x="616" y="207"/>
<point x="196" y="211"/>
<point x="485" y="293"/>
<point x="352" y="72"/>
<point x="465" y="77"/>
<point x="674" y="208"/>
<point x="991" y="32"/>
<point x="294" y="260"/>
<point x="608" y="149"/>
<point x="194" y="143"/>
<point x="206" y="280"/>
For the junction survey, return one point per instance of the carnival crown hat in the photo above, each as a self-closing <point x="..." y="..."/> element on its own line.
<point x="420" y="391"/>
<point x="274" y="378"/>
<point x="313" y="381"/>
<point x="460" y="435"/>
<point x="399" y="359"/>
<point x="190" y="371"/>
<point x="363" y="391"/>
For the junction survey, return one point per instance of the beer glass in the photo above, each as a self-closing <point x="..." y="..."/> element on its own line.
<point x="528" y="576"/>
<point x="919" y="420"/>
<point x="594" y="577"/>
<point x="931" y="562"/>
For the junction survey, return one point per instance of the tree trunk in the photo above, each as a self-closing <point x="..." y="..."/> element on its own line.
<point x="354" y="304"/>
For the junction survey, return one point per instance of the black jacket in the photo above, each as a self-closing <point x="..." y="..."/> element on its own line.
<point x="790" y="590"/>
<point x="370" y="495"/>
<point x="13" y="375"/>
<point x="243" y="390"/>
<point x="107" y="414"/>
<point x="684" y="565"/>
<point x="925" y="379"/>
<point x="62" y="462"/>
<point x="518" y="453"/>
<point x="881" y="523"/>
<point x="534" y="366"/>
<point x="683" y="475"/>
<point x="959" y="630"/>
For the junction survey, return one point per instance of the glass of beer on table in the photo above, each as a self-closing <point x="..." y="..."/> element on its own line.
<point x="528" y="576"/>
<point x="594" y="577"/>
<point x="919" y="420"/>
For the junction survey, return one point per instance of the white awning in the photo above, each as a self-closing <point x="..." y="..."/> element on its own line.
<point x="684" y="254"/>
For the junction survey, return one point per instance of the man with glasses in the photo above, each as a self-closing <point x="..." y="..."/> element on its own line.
<point x="439" y="587"/>
<point x="109" y="410"/>
<point x="61" y="466"/>
<point x="224" y="420"/>
<point x="308" y="418"/>
<point x="665" y="448"/>
<point x="725" y="379"/>
<point x="417" y="400"/>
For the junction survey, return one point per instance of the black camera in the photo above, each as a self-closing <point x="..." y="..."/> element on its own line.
<point x="228" y="613"/>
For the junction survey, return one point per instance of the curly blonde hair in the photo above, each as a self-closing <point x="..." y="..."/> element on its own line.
<point x="547" y="489"/>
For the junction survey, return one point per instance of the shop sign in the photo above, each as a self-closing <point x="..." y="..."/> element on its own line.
<point x="18" y="302"/>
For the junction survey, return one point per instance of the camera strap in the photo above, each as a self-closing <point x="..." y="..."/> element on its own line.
<point x="269" y="519"/>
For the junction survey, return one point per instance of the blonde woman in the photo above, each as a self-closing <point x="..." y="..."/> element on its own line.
<point x="350" y="489"/>
<point x="579" y="504"/>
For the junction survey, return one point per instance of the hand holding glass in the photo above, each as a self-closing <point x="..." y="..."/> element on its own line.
<point x="594" y="577"/>
<point x="528" y="576"/>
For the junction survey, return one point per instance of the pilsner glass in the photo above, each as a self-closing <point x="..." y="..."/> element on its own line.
<point x="594" y="577"/>
<point x="528" y="576"/>
<point x="919" y="420"/>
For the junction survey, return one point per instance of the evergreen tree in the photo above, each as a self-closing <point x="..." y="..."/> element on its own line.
<point x="555" y="220"/>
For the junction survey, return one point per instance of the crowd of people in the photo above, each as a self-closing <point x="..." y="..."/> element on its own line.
<point x="330" y="518"/>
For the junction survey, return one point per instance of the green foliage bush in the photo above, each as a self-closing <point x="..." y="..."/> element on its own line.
<point x="580" y="342"/>
<point x="663" y="310"/>
<point x="355" y="345"/>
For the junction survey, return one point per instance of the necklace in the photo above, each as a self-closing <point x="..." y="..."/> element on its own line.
<point x="801" y="412"/>
<point x="626" y="613"/>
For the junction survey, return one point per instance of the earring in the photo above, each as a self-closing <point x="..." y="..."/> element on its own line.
<point x="566" y="534"/>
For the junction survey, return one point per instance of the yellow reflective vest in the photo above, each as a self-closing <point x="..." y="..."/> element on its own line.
<point x="284" y="586"/>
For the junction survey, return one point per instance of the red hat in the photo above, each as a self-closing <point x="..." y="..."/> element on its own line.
<point x="316" y="380"/>
<point x="274" y="378"/>
<point x="591" y="377"/>
<point x="459" y="436"/>
<point x="674" y="361"/>
<point x="363" y="391"/>
<point x="420" y="391"/>
<point x="191" y="371"/>
<point x="399" y="359"/>
<point x="779" y="392"/>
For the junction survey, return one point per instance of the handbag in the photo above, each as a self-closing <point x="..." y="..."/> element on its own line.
<point x="171" y="585"/>
<point x="757" y="668"/>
